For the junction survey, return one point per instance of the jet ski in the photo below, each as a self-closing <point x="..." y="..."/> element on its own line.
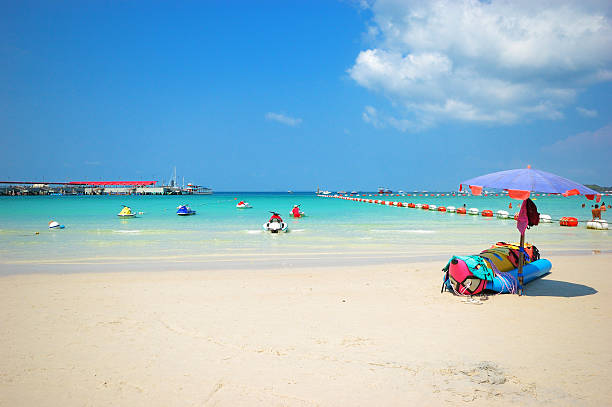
<point x="275" y="224"/>
<point x="184" y="210"/>
<point x="243" y="205"/>
<point x="126" y="212"/>
<point x="55" y="225"/>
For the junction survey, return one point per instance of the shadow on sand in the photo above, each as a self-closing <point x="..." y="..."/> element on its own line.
<point x="554" y="288"/>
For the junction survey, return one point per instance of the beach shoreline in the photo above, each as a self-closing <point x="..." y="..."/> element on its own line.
<point x="374" y="334"/>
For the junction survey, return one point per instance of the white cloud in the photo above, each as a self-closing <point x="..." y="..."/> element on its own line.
<point x="586" y="112"/>
<point x="498" y="61"/>
<point x="370" y="115"/>
<point x="281" y="118"/>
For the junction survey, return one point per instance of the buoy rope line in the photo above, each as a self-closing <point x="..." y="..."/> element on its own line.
<point x="490" y="213"/>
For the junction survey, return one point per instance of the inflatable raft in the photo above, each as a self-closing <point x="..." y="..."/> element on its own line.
<point x="493" y="270"/>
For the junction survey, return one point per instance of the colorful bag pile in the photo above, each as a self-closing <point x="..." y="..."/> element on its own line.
<point x="470" y="274"/>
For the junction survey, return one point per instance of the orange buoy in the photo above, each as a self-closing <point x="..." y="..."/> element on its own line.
<point x="461" y="211"/>
<point x="487" y="213"/>
<point x="426" y="207"/>
<point x="568" y="221"/>
<point x="441" y="209"/>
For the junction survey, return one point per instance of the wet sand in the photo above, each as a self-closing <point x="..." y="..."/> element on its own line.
<point x="304" y="336"/>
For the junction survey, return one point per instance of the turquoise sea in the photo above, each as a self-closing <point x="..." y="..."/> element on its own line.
<point x="335" y="232"/>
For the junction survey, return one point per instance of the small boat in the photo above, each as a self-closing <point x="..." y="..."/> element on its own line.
<point x="243" y="205"/>
<point x="126" y="212"/>
<point x="275" y="224"/>
<point x="184" y="210"/>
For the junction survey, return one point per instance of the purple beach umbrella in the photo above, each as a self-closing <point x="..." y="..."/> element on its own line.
<point x="520" y="183"/>
<point x="530" y="180"/>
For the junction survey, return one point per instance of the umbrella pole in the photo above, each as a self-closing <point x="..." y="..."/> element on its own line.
<point x="520" y="265"/>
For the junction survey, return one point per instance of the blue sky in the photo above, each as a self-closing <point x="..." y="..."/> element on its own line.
<point x="294" y="95"/>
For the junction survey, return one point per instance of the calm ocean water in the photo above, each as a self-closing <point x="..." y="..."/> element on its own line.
<point x="334" y="232"/>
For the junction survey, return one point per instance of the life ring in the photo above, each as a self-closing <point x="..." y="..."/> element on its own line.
<point x="568" y="221"/>
<point x="487" y="213"/>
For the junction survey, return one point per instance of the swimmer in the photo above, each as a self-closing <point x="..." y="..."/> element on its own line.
<point x="596" y="212"/>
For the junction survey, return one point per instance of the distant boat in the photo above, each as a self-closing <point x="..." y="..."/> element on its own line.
<point x="197" y="190"/>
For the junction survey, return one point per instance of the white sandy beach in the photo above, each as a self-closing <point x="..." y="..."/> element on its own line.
<point x="325" y="336"/>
